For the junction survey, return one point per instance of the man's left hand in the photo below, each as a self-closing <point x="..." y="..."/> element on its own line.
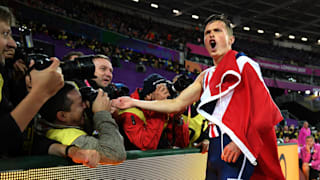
<point x="20" y="69"/>
<point x="231" y="153"/>
<point x="87" y="157"/>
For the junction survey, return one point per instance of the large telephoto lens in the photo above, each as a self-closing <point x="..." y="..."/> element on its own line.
<point x="81" y="68"/>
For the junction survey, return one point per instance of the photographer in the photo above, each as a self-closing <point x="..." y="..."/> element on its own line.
<point x="64" y="114"/>
<point x="15" y="117"/>
<point x="103" y="73"/>
<point x="144" y="129"/>
<point x="45" y="83"/>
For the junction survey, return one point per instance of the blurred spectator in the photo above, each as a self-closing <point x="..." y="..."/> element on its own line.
<point x="317" y="136"/>
<point x="286" y="131"/>
<point x="310" y="155"/>
<point x="286" y="139"/>
<point x="303" y="133"/>
<point x="62" y="35"/>
<point x="279" y="132"/>
<point x="293" y="132"/>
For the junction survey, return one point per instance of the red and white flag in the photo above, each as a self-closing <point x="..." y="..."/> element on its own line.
<point x="236" y="99"/>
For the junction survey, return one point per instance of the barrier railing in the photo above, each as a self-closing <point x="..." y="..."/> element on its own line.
<point x="32" y="162"/>
<point x="155" y="164"/>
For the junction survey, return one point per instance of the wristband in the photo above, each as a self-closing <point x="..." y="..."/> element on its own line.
<point x="67" y="149"/>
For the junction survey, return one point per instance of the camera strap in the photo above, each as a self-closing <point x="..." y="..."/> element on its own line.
<point x="87" y="83"/>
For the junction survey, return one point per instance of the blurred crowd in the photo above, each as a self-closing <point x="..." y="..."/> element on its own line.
<point x="116" y="53"/>
<point x="165" y="35"/>
<point x="114" y="21"/>
<point x="291" y="77"/>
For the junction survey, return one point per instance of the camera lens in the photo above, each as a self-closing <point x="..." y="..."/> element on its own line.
<point x="81" y="68"/>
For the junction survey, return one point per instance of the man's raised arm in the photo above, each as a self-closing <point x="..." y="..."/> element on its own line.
<point x="188" y="96"/>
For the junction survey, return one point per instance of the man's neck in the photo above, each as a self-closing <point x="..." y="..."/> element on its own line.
<point x="216" y="61"/>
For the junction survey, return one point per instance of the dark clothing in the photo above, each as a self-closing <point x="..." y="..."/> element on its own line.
<point x="286" y="134"/>
<point x="293" y="134"/>
<point x="40" y="145"/>
<point x="10" y="135"/>
<point x="313" y="174"/>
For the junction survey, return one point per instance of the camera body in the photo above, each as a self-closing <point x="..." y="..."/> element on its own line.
<point x="88" y="94"/>
<point x="182" y="82"/>
<point x="81" y="68"/>
<point x="114" y="90"/>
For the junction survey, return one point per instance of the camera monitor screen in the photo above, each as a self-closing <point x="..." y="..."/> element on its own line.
<point x="28" y="41"/>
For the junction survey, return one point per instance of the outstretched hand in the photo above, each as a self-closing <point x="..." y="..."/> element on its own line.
<point x="87" y="157"/>
<point x="123" y="102"/>
<point x="101" y="103"/>
<point x="231" y="153"/>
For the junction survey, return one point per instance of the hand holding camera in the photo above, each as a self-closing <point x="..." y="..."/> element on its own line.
<point x="102" y="102"/>
<point x="47" y="82"/>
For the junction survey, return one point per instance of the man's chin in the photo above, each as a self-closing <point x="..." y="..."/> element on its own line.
<point x="105" y="83"/>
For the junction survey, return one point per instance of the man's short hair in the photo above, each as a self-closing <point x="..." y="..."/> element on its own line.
<point x="310" y="137"/>
<point x="58" y="102"/>
<point x="221" y="17"/>
<point x="70" y="54"/>
<point x="101" y="56"/>
<point x="6" y="16"/>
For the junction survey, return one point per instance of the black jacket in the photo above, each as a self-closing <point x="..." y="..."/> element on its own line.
<point x="11" y="137"/>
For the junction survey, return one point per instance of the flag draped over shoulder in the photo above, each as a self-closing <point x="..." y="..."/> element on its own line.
<point x="246" y="111"/>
